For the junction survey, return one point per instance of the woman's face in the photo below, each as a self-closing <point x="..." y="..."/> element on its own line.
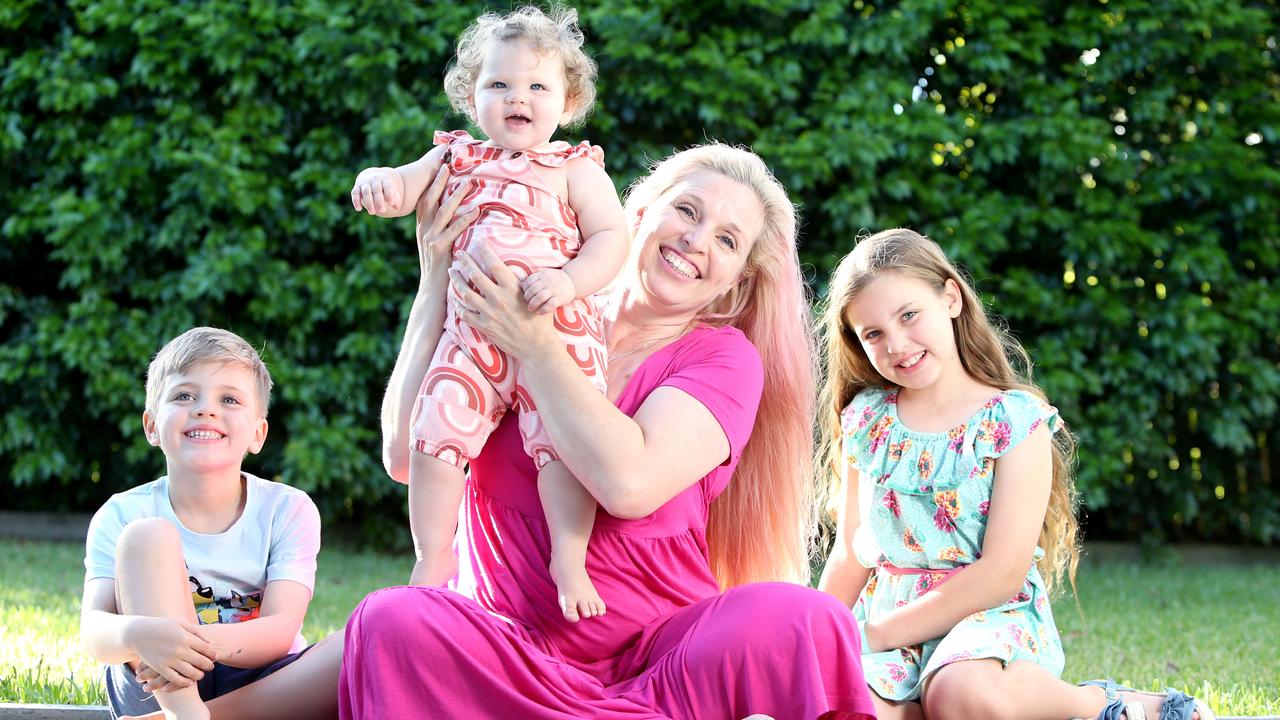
<point x="695" y="240"/>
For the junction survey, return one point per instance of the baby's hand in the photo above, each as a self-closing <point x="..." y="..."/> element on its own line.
<point x="177" y="651"/>
<point x="546" y="290"/>
<point x="376" y="193"/>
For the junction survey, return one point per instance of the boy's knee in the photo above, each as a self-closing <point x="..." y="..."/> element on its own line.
<point x="148" y="534"/>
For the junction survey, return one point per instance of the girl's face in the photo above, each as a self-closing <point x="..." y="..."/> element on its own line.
<point x="519" y="98"/>
<point x="695" y="240"/>
<point x="207" y="418"/>
<point x="905" y="328"/>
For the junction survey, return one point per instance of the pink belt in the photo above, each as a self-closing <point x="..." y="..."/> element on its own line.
<point x="946" y="573"/>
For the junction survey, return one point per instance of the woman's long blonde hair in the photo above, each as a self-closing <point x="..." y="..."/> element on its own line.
<point x="761" y="525"/>
<point x="987" y="352"/>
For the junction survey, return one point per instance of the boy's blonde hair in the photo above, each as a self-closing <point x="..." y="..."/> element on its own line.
<point x="557" y="32"/>
<point x="986" y="351"/>
<point x="206" y="344"/>
<point x="760" y="526"/>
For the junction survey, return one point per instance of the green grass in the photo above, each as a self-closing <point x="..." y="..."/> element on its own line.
<point x="1211" y="630"/>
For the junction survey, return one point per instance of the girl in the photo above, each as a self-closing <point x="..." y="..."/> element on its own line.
<point x="958" y="512"/>
<point x="519" y="77"/>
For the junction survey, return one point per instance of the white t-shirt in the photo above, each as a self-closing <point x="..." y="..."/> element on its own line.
<point x="276" y="538"/>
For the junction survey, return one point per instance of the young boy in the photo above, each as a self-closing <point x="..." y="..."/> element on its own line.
<point x="197" y="583"/>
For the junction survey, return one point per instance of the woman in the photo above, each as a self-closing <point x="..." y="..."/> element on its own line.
<point x="708" y="338"/>
<point x="707" y="329"/>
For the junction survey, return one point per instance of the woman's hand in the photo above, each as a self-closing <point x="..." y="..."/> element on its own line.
<point x="437" y="228"/>
<point x="488" y="297"/>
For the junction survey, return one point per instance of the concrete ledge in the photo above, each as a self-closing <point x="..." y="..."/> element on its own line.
<point x="54" y="712"/>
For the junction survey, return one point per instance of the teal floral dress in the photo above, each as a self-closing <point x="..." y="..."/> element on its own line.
<point x="924" y="500"/>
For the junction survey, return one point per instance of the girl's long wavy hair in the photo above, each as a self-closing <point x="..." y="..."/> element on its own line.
<point x="760" y="526"/>
<point x="986" y="350"/>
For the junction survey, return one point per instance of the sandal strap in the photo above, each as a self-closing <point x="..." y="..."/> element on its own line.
<point x="1177" y="705"/>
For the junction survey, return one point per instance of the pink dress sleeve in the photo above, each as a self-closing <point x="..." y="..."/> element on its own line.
<point x="723" y="372"/>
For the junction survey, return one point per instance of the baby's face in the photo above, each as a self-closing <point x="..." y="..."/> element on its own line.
<point x="519" y="98"/>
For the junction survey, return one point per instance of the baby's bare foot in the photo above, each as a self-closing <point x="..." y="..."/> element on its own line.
<point x="577" y="595"/>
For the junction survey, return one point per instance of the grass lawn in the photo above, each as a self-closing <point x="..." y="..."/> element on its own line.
<point x="1211" y="630"/>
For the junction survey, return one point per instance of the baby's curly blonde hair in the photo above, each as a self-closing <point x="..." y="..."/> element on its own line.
<point x="557" y="32"/>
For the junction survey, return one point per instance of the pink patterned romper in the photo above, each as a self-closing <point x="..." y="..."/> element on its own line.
<point x="471" y="383"/>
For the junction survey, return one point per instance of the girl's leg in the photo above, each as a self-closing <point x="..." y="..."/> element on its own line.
<point x="1023" y="689"/>
<point x="435" y="494"/>
<point x="151" y="580"/>
<point x="571" y="513"/>
<point x="892" y="710"/>
<point x="306" y="688"/>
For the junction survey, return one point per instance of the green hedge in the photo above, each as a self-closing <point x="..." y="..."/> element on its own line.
<point x="1108" y="171"/>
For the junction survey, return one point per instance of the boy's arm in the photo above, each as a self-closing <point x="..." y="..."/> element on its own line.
<point x="268" y="637"/>
<point x="177" y="650"/>
<point x="604" y="241"/>
<point x="843" y="575"/>
<point x="393" y="192"/>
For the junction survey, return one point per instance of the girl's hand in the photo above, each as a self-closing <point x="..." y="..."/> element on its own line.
<point x="175" y="650"/>
<point x="376" y="192"/>
<point x="436" y="228"/>
<point x="546" y="290"/>
<point x="488" y="297"/>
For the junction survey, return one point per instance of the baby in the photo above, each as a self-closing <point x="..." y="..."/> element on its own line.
<point x="550" y="211"/>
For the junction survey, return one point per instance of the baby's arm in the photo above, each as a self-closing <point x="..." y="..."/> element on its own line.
<point x="1019" y="499"/>
<point x="393" y="192"/>
<point x="177" y="650"/>
<point x="843" y="576"/>
<point x="604" y="244"/>
<point x="266" y="638"/>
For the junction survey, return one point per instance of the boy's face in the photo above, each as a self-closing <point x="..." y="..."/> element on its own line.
<point x="519" y="99"/>
<point x="207" y="418"/>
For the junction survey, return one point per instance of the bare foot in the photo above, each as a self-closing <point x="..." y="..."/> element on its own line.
<point x="577" y="595"/>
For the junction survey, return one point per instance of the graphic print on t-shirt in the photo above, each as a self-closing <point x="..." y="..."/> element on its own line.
<point x="233" y="607"/>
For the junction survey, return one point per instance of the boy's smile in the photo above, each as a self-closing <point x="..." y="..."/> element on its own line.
<point x="207" y="418"/>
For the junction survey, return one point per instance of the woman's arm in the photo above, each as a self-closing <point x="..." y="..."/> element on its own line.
<point x="843" y="576"/>
<point x="613" y="455"/>
<point x="435" y="235"/>
<point x="1019" y="498"/>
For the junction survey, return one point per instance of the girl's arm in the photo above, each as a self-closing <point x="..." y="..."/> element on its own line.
<point x="843" y="576"/>
<point x="393" y="192"/>
<point x="604" y="245"/>
<point x="266" y="638"/>
<point x="1019" y="499"/>
<point x="436" y="231"/>
<point x="630" y="464"/>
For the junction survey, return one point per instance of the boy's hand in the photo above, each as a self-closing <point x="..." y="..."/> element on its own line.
<point x="546" y="290"/>
<point x="177" y="651"/>
<point x="376" y="193"/>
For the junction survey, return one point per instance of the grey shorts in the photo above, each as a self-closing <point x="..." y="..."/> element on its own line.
<point x="125" y="695"/>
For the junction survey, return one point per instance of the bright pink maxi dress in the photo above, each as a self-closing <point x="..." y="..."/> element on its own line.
<point x="671" y="644"/>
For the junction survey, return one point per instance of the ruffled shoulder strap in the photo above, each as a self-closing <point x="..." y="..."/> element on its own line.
<point x="454" y="137"/>
<point x="864" y="424"/>
<point x="558" y="153"/>
<point x="1008" y="419"/>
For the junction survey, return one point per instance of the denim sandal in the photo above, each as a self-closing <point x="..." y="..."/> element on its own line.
<point x="1177" y="705"/>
